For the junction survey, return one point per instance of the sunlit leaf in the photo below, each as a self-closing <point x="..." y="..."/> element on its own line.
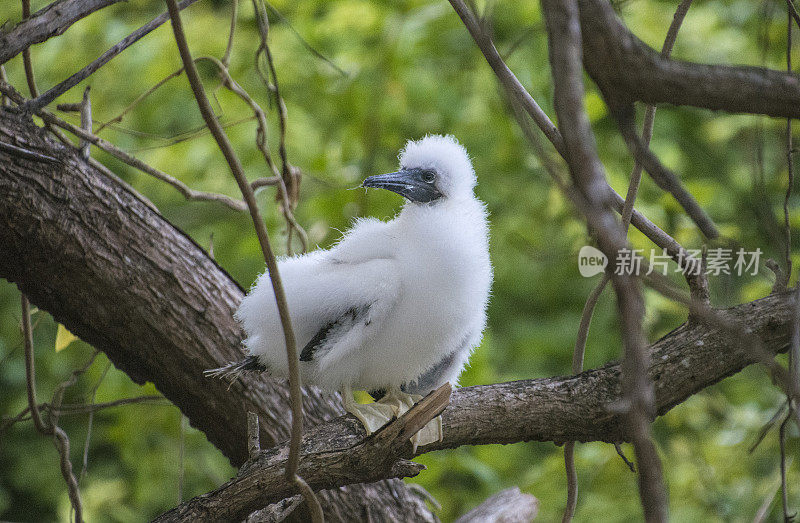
<point x="63" y="338"/>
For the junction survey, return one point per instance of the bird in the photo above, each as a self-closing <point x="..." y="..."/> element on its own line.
<point x="394" y="307"/>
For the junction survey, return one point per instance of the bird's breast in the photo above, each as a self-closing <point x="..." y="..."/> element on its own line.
<point x="444" y="286"/>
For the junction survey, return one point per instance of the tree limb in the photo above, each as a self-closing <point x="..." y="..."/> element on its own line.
<point x="330" y="459"/>
<point x="46" y="23"/>
<point x="76" y="78"/>
<point x="235" y="166"/>
<point x="564" y="37"/>
<point x="626" y="70"/>
<point x="516" y="92"/>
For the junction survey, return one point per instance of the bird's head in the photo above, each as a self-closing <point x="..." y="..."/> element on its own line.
<point x="432" y="169"/>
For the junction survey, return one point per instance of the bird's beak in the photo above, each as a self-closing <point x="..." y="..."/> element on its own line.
<point x="408" y="183"/>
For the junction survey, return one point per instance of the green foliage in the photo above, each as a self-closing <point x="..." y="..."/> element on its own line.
<point x="412" y="69"/>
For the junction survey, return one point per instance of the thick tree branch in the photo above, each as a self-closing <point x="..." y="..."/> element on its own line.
<point x="118" y="275"/>
<point x="582" y="408"/>
<point x="46" y="23"/>
<point x="627" y="70"/>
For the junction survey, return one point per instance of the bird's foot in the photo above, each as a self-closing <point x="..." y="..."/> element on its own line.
<point x="372" y="415"/>
<point x="430" y="433"/>
<point x="400" y="402"/>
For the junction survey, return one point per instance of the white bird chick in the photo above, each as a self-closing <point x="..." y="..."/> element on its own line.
<point x="395" y="307"/>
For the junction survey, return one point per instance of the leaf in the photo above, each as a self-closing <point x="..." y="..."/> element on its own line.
<point x="63" y="338"/>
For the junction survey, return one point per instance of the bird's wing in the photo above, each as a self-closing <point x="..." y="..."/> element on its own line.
<point x="358" y="297"/>
<point x="332" y="305"/>
<point x="326" y="338"/>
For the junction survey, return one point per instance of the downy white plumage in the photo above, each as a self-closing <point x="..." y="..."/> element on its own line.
<point x="393" y="305"/>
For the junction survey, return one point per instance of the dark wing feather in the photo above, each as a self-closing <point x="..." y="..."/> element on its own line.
<point x="334" y="330"/>
<point x="307" y="354"/>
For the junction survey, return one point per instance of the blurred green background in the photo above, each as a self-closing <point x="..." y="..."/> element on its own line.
<point x="410" y="68"/>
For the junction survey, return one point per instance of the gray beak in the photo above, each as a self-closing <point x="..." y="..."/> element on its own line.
<point x="409" y="183"/>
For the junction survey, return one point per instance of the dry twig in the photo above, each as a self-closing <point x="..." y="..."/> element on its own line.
<point x="59" y="89"/>
<point x="60" y="438"/>
<point x="263" y="238"/>
<point x="30" y="77"/>
<point x="564" y="40"/>
<point x="185" y="190"/>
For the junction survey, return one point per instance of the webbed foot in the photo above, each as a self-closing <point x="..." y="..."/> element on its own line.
<point x="400" y="402"/>
<point x="372" y="415"/>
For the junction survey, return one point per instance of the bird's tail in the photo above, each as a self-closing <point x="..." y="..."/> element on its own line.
<point x="235" y="368"/>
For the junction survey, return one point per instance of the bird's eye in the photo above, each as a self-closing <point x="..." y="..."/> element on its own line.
<point x="428" y="176"/>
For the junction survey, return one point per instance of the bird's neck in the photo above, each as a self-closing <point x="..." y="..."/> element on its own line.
<point x="451" y="216"/>
<point x="442" y="237"/>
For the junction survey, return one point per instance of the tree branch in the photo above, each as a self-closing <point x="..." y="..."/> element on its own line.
<point x="60" y="438"/>
<point x="518" y="94"/>
<point x="330" y="459"/>
<point x="30" y="76"/>
<point x="46" y="23"/>
<point x="235" y="165"/>
<point x="564" y="36"/>
<point x="88" y="137"/>
<point x="627" y="70"/>
<point x="57" y="90"/>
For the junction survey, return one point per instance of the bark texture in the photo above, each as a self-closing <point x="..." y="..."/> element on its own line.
<point x="331" y="458"/>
